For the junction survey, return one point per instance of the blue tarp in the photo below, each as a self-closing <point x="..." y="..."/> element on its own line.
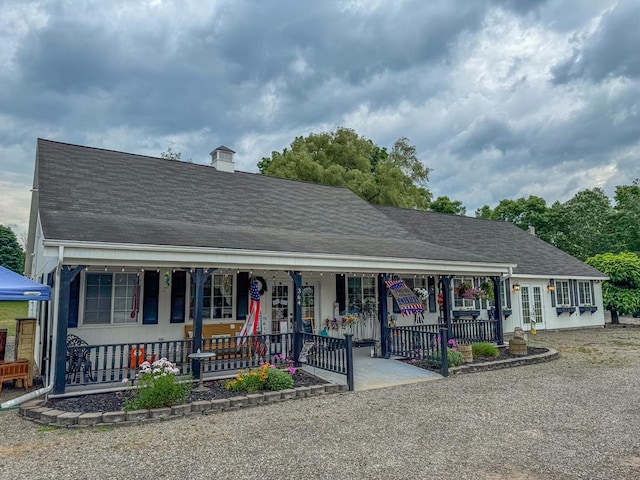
<point x="14" y="286"/>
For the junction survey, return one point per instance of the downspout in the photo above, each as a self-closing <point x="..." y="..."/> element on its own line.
<point x="49" y="376"/>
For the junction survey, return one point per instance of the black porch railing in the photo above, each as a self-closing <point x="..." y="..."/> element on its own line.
<point x="420" y="342"/>
<point x="464" y="330"/>
<point x="115" y="362"/>
<point x="240" y="352"/>
<point x="331" y="354"/>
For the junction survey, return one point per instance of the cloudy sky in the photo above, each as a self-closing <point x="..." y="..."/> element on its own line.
<point x="502" y="99"/>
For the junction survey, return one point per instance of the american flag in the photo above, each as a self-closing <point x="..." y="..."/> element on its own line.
<point x="250" y="326"/>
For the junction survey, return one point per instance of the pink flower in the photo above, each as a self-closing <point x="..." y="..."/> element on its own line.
<point x="291" y="370"/>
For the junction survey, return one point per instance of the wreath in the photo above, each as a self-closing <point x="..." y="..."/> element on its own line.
<point x="263" y="285"/>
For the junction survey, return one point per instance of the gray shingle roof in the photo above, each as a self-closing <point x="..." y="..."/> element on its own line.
<point x="496" y="241"/>
<point x="95" y="195"/>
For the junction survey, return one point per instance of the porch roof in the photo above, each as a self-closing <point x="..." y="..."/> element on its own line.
<point x="108" y="200"/>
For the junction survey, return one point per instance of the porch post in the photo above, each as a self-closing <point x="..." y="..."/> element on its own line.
<point x="382" y="315"/>
<point x="497" y="300"/>
<point x="67" y="274"/>
<point x="199" y="277"/>
<point x="297" y="314"/>
<point x="445" y="289"/>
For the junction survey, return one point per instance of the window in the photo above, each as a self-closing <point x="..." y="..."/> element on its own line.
<point x="217" y="301"/>
<point x="111" y="298"/>
<point x="562" y="293"/>
<point x="361" y="294"/>
<point x="458" y="301"/>
<point x="584" y="293"/>
<point x="490" y="303"/>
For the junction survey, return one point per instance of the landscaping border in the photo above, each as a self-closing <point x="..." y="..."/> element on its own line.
<point x="35" y="411"/>
<point x="551" y="354"/>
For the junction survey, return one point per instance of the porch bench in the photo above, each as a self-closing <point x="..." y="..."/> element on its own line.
<point x="212" y="329"/>
<point x="18" y="370"/>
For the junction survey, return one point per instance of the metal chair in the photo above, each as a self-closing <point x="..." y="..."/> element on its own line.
<point x="78" y="359"/>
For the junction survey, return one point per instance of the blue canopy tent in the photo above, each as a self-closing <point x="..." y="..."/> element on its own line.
<point x="14" y="286"/>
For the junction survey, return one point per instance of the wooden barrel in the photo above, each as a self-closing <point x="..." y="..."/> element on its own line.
<point x="467" y="352"/>
<point x="518" y="346"/>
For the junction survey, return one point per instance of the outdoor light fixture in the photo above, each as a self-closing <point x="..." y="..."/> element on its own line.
<point x="551" y="287"/>
<point x="516" y="287"/>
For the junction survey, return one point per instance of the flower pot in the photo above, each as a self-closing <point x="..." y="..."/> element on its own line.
<point x="467" y="352"/>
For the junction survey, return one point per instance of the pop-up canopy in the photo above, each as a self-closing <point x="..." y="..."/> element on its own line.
<point x="14" y="286"/>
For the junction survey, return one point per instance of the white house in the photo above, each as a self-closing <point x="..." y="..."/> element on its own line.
<point x="128" y="242"/>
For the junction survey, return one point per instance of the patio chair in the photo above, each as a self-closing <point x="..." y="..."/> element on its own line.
<point x="78" y="360"/>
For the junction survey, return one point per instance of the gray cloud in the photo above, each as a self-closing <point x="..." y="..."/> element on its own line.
<point x="501" y="98"/>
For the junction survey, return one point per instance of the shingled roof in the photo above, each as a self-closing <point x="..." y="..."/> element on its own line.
<point x="95" y="195"/>
<point x="493" y="240"/>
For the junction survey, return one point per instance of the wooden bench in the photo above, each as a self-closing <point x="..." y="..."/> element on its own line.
<point x="211" y="329"/>
<point x="15" y="371"/>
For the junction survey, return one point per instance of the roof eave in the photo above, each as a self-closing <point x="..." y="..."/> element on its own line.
<point x="127" y="254"/>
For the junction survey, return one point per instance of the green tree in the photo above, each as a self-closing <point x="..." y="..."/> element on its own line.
<point x="581" y="224"/>
<point x="625" y="218"/>
<point x="445" y="205"/>
<point x="343" y="158"/>
<point x="621" y="293"/>
<point x="11" y="254"/>
<point x="523" y="213"/>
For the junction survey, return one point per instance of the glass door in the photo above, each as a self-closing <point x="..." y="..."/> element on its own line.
<point x="531" y="303"/>
<point x="279" y="307"/>
<point x="309" y="304"/>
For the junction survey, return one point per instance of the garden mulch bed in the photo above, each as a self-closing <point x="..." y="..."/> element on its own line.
<point x="114" y="401"/>
<point x="504" y="354"/>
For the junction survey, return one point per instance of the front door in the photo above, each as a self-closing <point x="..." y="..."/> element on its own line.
<point x="280" y="311"/>
<point x="309" y="303"/>
<point x="531" y="304"/>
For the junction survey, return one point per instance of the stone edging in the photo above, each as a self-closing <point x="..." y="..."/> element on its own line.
<point x="511" y="362"/>
<point x="36" y="412"/>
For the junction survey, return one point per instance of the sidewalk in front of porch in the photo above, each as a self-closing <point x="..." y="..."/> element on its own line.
<point x="370" y="373"/>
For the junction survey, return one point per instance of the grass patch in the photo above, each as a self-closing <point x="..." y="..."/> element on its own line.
<point x="103" y="428"/>
<point x="9" y="311"/>
<point x="47" y="428"/>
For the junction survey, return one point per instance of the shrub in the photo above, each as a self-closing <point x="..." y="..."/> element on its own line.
<point x="158" y="387"/>
<point x="484" y="349"/>
<point x="278" y="380"/>
<point x="454" y="358"/>
<point x="264" y="377"/>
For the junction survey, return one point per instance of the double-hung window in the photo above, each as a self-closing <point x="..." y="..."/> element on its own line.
<point x="218" y="297"/>
<point x="584" y="294"/>
<point x="563" y="298"/>
<point x="111" y="298"/>
<point x="361" y="294"/>
<point x="458" y="301"/>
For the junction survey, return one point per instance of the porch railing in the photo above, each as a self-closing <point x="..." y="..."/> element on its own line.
<point x="464" y="330"/>
<point x="332" y="354"/>
<point x="115" y="362"/>
<point x="419" y="342"/>
<point x="237" y="353"/>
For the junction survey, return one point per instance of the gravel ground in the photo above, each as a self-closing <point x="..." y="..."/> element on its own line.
<point x="574" y="418"/>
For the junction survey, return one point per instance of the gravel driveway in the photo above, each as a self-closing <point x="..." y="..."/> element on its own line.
<point x="576" y="417"/>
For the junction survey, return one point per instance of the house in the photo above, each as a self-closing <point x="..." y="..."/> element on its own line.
<point x="155" y="252"/>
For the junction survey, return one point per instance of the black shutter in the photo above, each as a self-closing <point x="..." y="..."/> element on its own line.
<point x="150" y="301"/>
<point x="178" y="296"/>
<point x="553" y="293"/>
<point x="507" y="292"/>
<point x="242" y="305"/>
<point x="340" y="293"/>
<point x="74" y="302"/>
<point x="593" y="293"/>
<point x="431" y="288"/>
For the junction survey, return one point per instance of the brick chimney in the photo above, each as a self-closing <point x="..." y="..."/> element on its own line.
<point x="222" y="159"/>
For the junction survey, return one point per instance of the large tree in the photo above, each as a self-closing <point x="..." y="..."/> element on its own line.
<point x="444" y="204"/>
<point x="625" y="219"/>
<point x="343" y="158"/>
<point x="523" y="213"/>
<point x="581" y="224"/>
<point x="11" y="254"/>
<point x="621" y="293"/>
